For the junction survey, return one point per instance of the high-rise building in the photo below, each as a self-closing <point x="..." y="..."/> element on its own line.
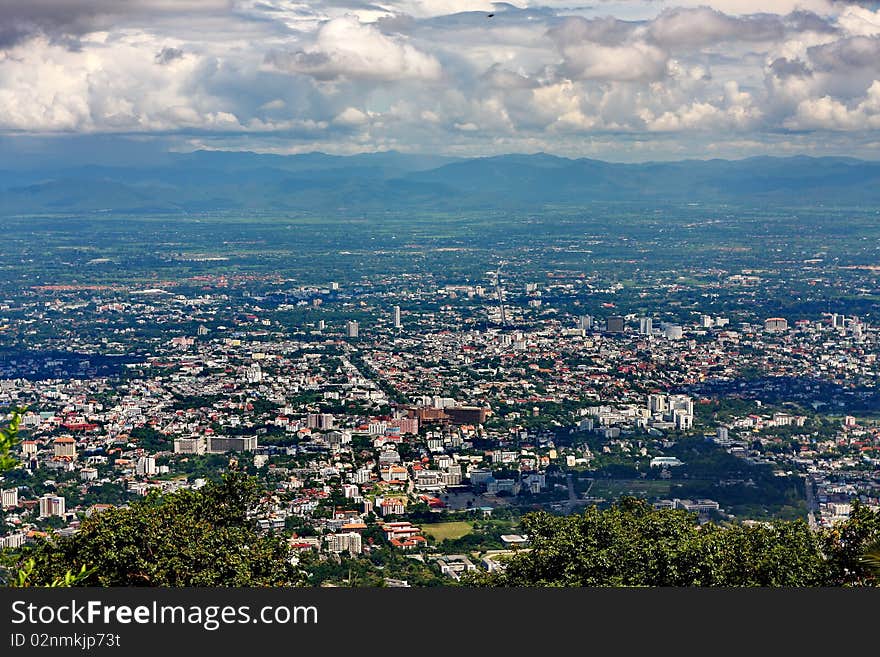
<point x="681" y="403"/>
<point x="146" y="465"/>
<point x="775" y="324"/>
<point x="614" y="324"/>
<point x="320" y="421"/>
<point x="646" y="326"/>
<point x="222" y="444"/>
<point x="51" y="505"/>
<point x="345" y="542"/>
<point x="682" y="420"/>
<point x="706" y="321"/>
<point x="673" y="332"/>
<point x="351" y="329"/>
<point x="65" y="447"/>
<point x="585" y="322"/>
<point x="9" y="498"/>
<point x="190" y="445"/>
<point x="397" y="317"/>
<point x="657" y="403"/>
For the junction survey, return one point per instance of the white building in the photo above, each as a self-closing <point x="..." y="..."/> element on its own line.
<point x="345" y="542"/>
<point x="51" y="505"/>
<point x="192" y="445"/>
<point x="146" y="465"/>
<point x="9" y="498"/>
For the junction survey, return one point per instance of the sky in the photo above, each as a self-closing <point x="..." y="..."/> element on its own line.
<point x="620" y="80"/>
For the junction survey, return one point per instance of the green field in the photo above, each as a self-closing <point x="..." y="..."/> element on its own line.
<point x="443" y="530"/>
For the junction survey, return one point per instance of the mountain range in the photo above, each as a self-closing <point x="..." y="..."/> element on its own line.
<point x="223" y="181"/>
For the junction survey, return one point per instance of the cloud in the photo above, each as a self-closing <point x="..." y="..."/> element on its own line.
<point x="605" y="50"/>
<point x="62" y="19"/>
<point x="860" y="21"/>
<point x="653" y="76"/>
<point x="828" y="113"/>
<point x="346" y="48"/>
<point x="351" y="116"/>
<point x="689" y="28"/>
<point x="168" y="54"/>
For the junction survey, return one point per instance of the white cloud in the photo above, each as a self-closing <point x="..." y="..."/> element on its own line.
<point x="352" y="116"/>
<point x="827" y="113"/>
<point x="860" y="21"/>
<point x="438" y="75"/>
<point x="346" y="48"/>
<point x="635" y="61"/>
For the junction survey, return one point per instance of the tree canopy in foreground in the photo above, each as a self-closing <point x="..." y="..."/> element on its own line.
<point x="633" y="544"/>
<point x="187" y="538"/>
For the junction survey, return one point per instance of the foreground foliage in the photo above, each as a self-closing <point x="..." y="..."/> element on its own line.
<point x="186" y="538"/>
<point x="633" y="544"/>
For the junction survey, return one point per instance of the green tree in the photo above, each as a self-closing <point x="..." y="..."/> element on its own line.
<point x="633" y="544"/>
<point x="847" y="543"/>
<point x="186" y="538"/>
<point x="9" y="439"/>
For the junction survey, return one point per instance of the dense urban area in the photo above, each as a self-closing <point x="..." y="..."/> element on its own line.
<point x="406" y="388"/>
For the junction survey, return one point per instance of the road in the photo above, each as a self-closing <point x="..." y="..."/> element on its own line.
<point x="811" y="502"/>
<point x="573" y="500"/>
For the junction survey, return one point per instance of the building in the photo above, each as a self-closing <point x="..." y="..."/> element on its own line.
<point x="253" y="373"/>
<point x="665" y="461"/>
<point x="322" y="421"/>
<point x="614" y="324"/>
<point x="351" y="329"/>
<point x="222" y="444"/>
<point x="146" y="465"/>
<point x="454" y="565"/>
<point x="345" y="542"/>
<point x="646" y="326"/>
<point x="467" y="414"/>
<point x="673" y="332"/>
<point x="775" y="324"/>
<point x="681" y="403"/>
<point x="657" y="404"/>
<point x="700" y="506"/>
<point x="682" y="419"/>
<point x="585" y="322"/>
<point x="392" y="506"/>
<point x="51" y="505"/>
<point x="9" y="497"/>
<point x="65" y="447"/>
<point x="397" y="317"/>
<point x="192" y="445"/>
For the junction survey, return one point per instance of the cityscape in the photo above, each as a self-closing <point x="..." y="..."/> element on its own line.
<point x="425" y="405"/>
<point x="452" y="293"/>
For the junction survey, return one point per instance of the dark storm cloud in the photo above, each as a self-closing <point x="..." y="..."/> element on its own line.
<point x="783" y="67"/>
<point x="607" y="31"/>
<point x="852" y="53"/>
<point x="63" y="19"/>
<point x="168" y="55"/>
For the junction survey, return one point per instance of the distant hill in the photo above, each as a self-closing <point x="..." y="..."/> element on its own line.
<point x="316" y="182"/>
